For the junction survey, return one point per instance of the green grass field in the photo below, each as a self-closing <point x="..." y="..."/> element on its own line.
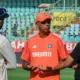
<point x="20" y="74"/>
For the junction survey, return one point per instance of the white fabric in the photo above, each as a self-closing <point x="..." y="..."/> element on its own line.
<point x="6" y="53"/>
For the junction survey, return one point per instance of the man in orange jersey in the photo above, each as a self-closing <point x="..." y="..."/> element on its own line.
<point x="43" y="51"/>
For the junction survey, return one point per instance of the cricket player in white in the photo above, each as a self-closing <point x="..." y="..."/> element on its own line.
<point x="7" y="55"/>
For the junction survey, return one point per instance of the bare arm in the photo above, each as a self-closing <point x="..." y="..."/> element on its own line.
<point x="68" y="61"/>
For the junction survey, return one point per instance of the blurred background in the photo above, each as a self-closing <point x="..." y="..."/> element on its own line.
<point x="21" y="25"/>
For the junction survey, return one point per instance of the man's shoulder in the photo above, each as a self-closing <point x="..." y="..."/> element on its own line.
<point x="56" y="36"/>
<point x="2" y="38"/>
<point x="32" y="37"/>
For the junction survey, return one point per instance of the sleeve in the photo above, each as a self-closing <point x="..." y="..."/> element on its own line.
<point x="26" y="53"/>
<point x="8" y="54"/>
<point x="75" y="54"/>
<point x="62" y="51"/>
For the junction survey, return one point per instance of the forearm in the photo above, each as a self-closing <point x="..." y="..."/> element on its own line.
<point x="69" y="60"/>
<point x="60" y="66"/>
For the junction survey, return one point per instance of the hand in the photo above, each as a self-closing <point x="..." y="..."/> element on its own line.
<point x="31" y="68"/>
<point x="45" y="69"/>
<point x="75" y="66"/>
<point x="50" y="68"/>
<point x="41" y="69"/>
<point x="5" y="62"/>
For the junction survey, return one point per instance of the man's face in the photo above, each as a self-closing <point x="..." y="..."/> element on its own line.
<point x="44" y="26"/>
<point x="1" y="23"/>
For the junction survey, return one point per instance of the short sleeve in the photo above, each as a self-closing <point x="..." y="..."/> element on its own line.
<point x="62" y="49"/>
<point x="76" y="51"/>
<point x="26" y="52"/>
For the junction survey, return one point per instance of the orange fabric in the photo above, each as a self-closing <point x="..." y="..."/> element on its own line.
<point x="44" y="52"/>
<point x="43" y="16"/>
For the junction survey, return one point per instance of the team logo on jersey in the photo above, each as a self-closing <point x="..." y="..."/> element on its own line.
<point x="49" y="45"/>
<point x="34" y="46"/>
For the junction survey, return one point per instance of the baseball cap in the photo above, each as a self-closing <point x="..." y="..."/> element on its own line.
<point x="43" y="16"/>
<point x="3" y="13"/>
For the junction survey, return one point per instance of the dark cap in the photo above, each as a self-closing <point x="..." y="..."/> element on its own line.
<point x="3" y="13"/>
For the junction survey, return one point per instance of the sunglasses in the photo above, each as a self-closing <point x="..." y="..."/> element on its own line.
<point x="46" y="21"/>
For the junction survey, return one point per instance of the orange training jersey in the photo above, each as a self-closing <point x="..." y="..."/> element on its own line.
<point x="44" y="52"/>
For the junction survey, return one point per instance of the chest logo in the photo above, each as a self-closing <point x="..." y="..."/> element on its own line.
<point x="49" y="45"/>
